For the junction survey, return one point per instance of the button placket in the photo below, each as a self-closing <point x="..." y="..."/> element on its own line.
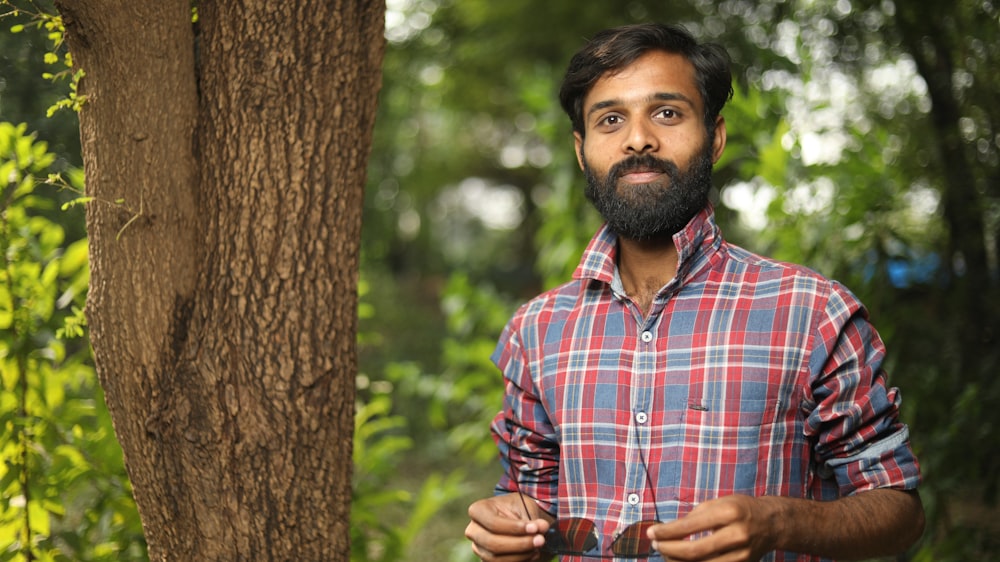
<point x="644" y="378"/>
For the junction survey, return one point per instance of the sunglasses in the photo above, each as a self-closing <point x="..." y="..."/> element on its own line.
<point x="576" y="536"/>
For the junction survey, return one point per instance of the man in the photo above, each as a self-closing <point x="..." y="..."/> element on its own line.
<point x="682" y="397"/>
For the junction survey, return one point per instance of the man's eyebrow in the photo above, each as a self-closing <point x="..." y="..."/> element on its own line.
<point x="661" y="96"/>
<point x="673" y="96"/>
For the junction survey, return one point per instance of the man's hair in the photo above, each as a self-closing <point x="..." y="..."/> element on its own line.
<point x="613" y="49"/>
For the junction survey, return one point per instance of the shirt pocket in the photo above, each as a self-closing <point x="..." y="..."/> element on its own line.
<point x="723" y="445"/>
<point x="732" y="414"/>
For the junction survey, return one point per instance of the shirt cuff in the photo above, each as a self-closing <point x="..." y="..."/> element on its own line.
<point x="886" y="463"/>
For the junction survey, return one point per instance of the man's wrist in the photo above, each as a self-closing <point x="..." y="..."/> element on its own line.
<point x="779" y="517"/>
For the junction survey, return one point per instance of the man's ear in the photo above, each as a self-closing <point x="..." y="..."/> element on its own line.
<point x="719" y="141"/>
<point x="578" y="146"/>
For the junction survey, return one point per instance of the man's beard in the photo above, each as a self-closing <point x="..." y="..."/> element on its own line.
<point x="652" y="211"/>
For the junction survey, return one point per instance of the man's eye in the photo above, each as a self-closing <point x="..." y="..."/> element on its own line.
<point x="611" y="120"/>
<point x="666" y="114"/>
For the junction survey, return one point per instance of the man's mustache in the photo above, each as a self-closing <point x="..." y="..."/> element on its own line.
<point x="643" y="163"/>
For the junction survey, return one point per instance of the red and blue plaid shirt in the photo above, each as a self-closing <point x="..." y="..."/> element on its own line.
<point x="747" y="376"/>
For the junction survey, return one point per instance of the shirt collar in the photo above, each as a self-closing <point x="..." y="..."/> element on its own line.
<point x="695" y="243"/>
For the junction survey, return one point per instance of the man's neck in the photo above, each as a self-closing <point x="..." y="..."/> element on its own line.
<point x="645" y="267"/>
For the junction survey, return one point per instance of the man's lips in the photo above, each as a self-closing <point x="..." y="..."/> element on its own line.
<point x="641" y="176"/>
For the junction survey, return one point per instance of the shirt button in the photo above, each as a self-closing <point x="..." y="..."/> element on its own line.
<point x="641" y="417"/>
<point x="647" y="336"/>
<point x="633" y="499"/>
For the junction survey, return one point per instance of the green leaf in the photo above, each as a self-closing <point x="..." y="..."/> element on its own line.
<point x="76" y="202"/>
<point x="43" y="276"/>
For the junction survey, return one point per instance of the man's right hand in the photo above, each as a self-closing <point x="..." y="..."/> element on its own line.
<point x="501" y="531"/>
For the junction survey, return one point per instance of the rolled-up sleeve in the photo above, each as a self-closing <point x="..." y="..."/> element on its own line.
<point x="854" y="415"/>
<point x="522" y="430"/>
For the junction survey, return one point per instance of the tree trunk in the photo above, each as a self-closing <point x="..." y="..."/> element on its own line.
<point x="971" y="304"/>
<point x="227" y="163"/>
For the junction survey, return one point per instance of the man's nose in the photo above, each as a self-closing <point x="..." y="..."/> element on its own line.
<point x="640" y="138"/>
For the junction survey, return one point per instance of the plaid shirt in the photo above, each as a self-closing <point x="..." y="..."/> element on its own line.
<point x="747" y="376"/>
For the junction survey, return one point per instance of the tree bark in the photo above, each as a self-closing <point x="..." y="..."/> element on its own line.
<point x="227" y="162"/>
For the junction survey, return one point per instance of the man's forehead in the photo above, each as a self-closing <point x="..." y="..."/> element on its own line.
<point x="654" y="76"/>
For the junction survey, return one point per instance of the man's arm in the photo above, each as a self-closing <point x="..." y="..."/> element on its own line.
<point x="866" y="525"/>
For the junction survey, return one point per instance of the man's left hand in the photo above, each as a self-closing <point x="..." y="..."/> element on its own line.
<point x="734" y="529"/>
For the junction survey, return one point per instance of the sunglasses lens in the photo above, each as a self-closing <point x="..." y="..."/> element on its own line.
<point x="634" y="542"/>
<point x="571" y="536"/>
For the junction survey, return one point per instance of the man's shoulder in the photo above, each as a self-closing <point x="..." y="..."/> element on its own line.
<point x="562" y="297"/>
<point x="777" y="277"/>
<point x="744" y="261"/>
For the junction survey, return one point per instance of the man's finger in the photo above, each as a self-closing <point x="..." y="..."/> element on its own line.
<point x="486" y="545"/>
<point x="708" y="516"/>
<point x="682" y="528"/>
<point x="496" y="518"/>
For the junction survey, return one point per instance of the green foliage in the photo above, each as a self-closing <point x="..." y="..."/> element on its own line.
<point x="470" y="390"/>
<point x="66" y="495"/>
<point x="387" y="518"/>
<point x="30" y="14"/>
<point x="377" y="506"/>
<point x="74" y="100"/>
<point x="434" y="423"/>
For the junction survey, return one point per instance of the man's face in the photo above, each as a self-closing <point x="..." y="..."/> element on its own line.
<point x="646" y="153"/>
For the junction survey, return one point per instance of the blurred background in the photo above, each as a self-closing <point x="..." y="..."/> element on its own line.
<point x="864" y="140"/>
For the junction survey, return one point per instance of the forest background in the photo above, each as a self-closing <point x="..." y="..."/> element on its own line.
<point x="864" y="143"/>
